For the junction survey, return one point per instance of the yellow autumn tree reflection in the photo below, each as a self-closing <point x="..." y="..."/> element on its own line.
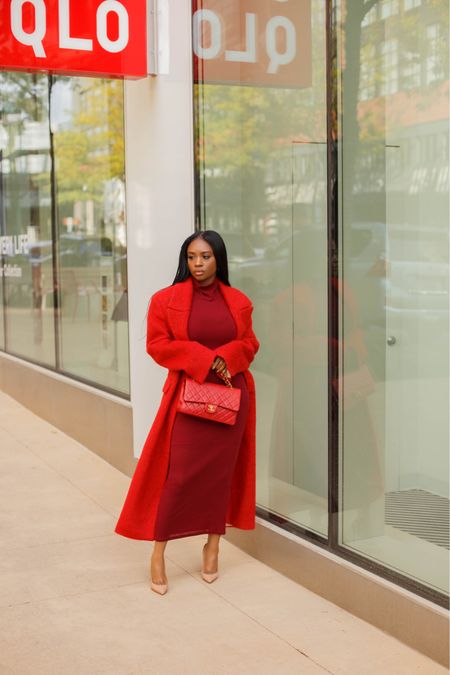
<point x="89" y="145"/>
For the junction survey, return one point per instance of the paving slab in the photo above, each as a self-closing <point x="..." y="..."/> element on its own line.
<point x="75" y="597"/>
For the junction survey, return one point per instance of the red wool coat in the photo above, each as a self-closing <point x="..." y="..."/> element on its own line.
<point x="169" y="345"/>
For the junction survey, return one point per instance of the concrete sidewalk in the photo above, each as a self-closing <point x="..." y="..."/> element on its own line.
<point x="75" y="596"/>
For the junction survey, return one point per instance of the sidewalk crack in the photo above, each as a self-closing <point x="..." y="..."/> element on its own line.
<point x="252" y="618"/>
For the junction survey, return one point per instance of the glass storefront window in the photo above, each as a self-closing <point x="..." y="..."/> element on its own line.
<point x="261" y="158"/>
<point x="26" y="219"/>
<point x="377" y="265"/>
<point x="63" y="231"/>
<point x="87" y="126"/>
<point x="394" y="243"/>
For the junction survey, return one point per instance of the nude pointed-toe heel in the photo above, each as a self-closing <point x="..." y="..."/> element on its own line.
<point x="209" y="576"/>
<point x="159" y="588"/>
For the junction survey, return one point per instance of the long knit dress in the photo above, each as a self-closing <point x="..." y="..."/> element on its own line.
<point x="203" y="453"/>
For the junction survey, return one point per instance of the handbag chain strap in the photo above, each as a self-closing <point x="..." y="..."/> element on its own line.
<point x="225" y="379"/>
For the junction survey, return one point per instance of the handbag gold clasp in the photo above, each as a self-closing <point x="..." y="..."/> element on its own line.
<point x="211" y="408"/>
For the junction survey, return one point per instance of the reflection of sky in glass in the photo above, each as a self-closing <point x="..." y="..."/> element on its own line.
<point x="62" y="104"/>
<point x="3" y="137"/>
<point x="34" y="136"/>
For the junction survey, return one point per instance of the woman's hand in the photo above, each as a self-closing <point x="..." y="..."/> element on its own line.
<point x="220" y="366"/>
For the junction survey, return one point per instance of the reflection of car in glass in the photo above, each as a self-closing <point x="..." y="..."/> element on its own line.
<point x="239" y="248"/>
<point x="417" y="286"/>
<point x="406" y="298"/>
<point x="79" y="250"/>
<point x="76" y="250"/>
<point x="417" y="271"/>
<point x="301" y="257"/>
<point x="40" y="252"/>
<point x="288" y="258"/>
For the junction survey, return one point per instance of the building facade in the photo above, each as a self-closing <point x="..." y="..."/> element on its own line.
<point x="315" y="139"/>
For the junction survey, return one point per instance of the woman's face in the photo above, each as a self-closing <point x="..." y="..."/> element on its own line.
<point x="201" y="261"/>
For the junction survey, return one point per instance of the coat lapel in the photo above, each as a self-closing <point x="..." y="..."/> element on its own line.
<point x="179" y="308"/>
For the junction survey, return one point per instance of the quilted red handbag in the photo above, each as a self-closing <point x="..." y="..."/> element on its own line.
<point x="211" y="401"/>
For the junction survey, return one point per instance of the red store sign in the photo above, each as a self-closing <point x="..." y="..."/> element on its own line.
<point x="92" y="37"/>
<point x="254" y="42"/>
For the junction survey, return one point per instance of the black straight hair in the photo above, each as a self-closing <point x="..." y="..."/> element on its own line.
<point x="220" y="253"/>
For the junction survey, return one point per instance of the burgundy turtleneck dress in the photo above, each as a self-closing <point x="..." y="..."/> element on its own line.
<point x="203" y="453"/>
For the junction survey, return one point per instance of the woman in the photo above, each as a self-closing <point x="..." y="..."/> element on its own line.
<point x="196" y="476"/>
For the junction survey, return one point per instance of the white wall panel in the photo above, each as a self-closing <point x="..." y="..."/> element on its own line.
<point x="160" y="200"/>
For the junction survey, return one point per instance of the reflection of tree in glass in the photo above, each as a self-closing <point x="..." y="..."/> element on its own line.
<point x="244" y="136"/>
<point x="90" y="150"/>
<point x="24" y="95"/>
